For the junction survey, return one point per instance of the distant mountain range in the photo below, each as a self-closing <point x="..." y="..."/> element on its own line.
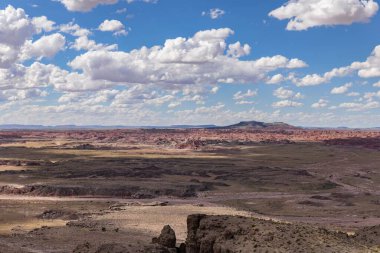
<point x="241" y="125"/>
<point x="59" y="127"/>
<point x="75" y="127"/>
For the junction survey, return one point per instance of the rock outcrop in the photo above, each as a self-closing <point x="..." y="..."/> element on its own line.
<point x="229" y="234"/>
<point x="222" y="234"/>
<point x="167" y="237"/>
<point x="193" y="222"/>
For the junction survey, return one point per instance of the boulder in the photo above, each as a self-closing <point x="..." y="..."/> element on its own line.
<point x="167" y="237"/>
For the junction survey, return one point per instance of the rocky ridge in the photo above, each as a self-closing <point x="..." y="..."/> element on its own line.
<point x="228" y="234"/>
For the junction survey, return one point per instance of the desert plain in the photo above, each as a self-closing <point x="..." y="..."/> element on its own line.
<point x="238" y="189"/>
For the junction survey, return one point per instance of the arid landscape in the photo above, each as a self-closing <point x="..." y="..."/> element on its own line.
<point x="200" y="126"/>
<point x="250" y="188"/>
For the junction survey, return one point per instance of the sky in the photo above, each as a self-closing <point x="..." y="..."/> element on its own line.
<point x="167" y="62"/>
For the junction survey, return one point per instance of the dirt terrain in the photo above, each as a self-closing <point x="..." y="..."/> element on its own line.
<point x="60" y="190"/>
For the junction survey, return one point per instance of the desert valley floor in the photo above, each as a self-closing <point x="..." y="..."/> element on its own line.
<point x="275" y="190"/>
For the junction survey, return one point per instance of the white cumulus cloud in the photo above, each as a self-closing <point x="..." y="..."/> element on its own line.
<point x="283" y="93"/>
<point x="113" y="26"/>
<point x="237" y="50"/>
<point x="46" y="46"/>
<point x="275" y="79"/>
<point x="43" y="24"/>
<point x="286" y="103"/>
<point x="85" y="5"/>
<point x="304" y="14"/>
<point x="354" y="106"/>
<point x="84" y="43"/>
<point x="88" y="5"/>
<point x="366" y="69"/>
<point x="320" y="104"/>
<point x="201" y="59"/>
<point x="244" y="95"/>
<point x="341" y="89"/>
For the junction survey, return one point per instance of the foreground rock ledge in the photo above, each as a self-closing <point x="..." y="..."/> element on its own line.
<point x="227" y="234"/>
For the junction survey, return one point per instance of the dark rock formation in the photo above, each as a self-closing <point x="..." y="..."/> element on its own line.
<point x="223" y="234"/>
<point x="167" y="237"/>
<point x="193" y="221"/>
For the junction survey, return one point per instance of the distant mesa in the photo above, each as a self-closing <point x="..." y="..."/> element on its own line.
<point x="244" y="125"/>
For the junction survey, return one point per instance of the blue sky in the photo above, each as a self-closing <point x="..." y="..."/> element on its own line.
<point x="163" y="62"/>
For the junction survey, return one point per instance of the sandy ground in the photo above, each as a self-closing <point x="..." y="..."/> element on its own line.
<point x="150" y="219"/>
<point x="141" y="216"/>
<point x="17" y="227"/>
<point x="12" y="168"/>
